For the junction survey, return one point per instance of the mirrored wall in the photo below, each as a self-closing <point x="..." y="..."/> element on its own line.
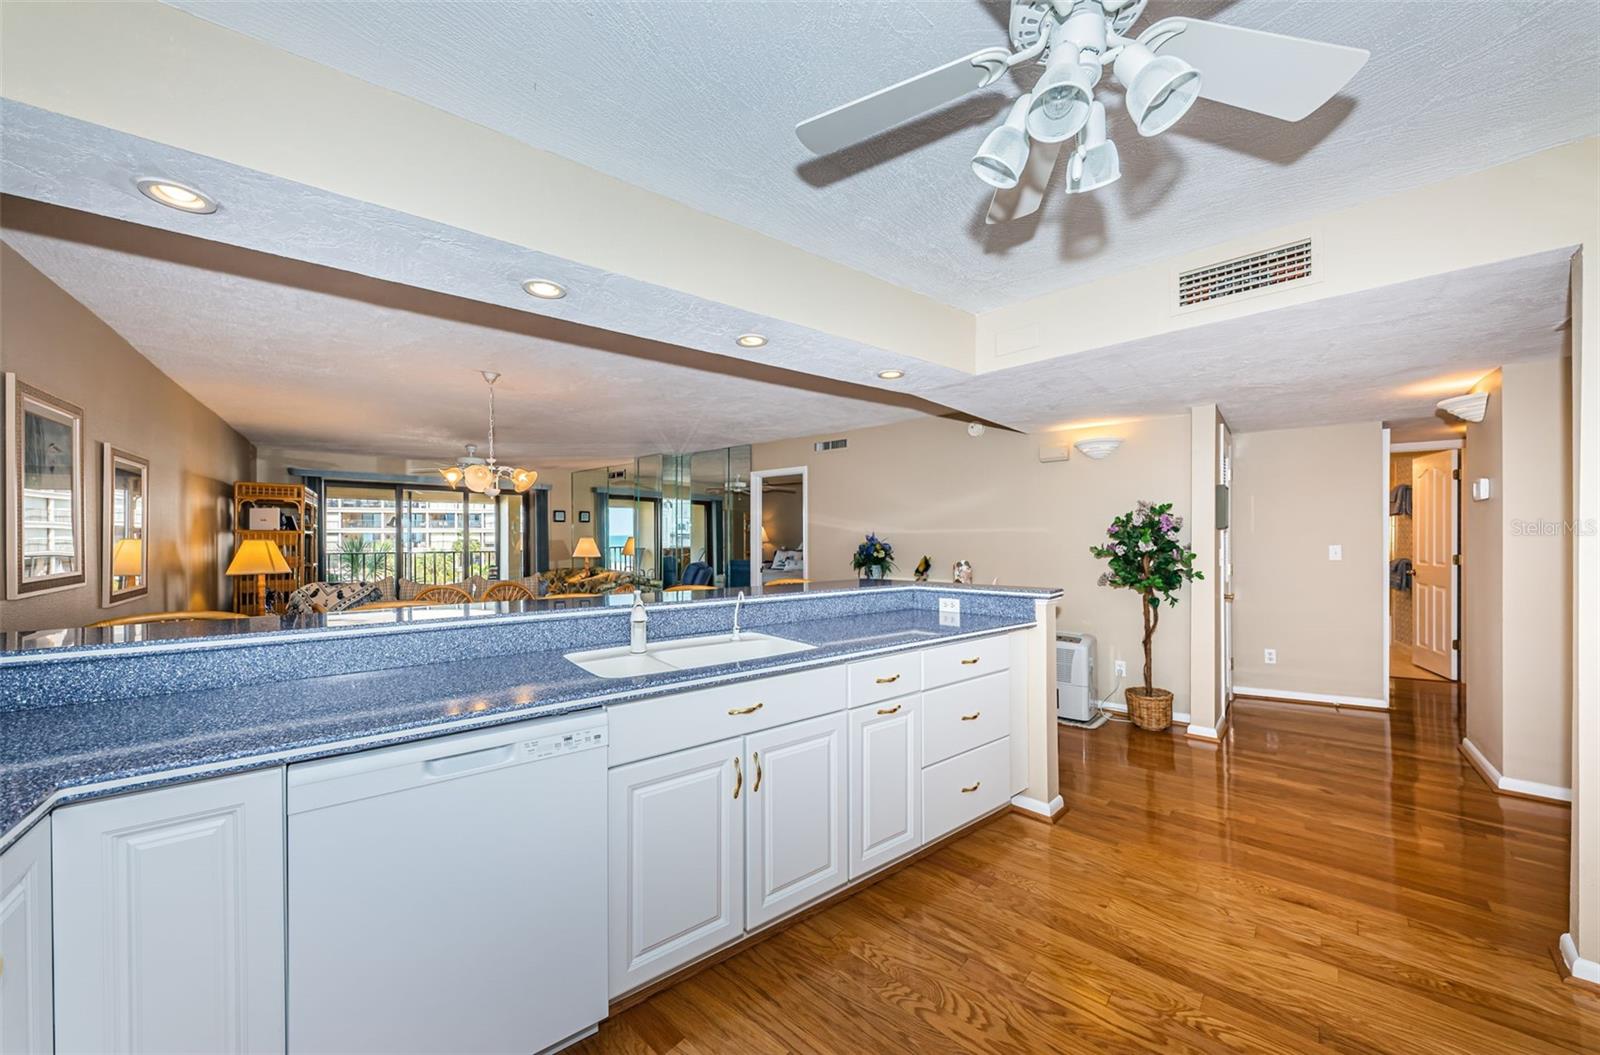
<point x="672" y="519"/>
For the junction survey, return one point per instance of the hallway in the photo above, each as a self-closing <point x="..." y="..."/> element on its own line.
<point x="1324" y="881"/>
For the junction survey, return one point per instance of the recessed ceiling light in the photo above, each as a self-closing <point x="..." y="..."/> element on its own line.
<point x="751" y="340"/>
<point x="544" y="289"/>
<point x="175" y="195"/>
<point x="891" y="375"/>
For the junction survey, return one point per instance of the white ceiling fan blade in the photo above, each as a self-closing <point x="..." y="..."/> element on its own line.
<point x="1024" y="198"/>
<point x="887" y="107"/>
<point x="1283" y="77"/>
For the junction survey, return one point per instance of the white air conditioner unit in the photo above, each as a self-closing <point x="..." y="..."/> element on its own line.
<point x="1075" y="676"/>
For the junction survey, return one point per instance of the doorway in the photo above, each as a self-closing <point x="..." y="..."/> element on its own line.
<point x="780" y="525"/>
<point x="1424" y="533"/>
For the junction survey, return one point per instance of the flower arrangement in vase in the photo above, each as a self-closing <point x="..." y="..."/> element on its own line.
<point x="873" y="559"/>
<point x="1145" y="556"/>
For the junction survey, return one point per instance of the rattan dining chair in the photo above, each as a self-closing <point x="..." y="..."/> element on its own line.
<point x="507" y="591"/>
<point x="443" y="595"/>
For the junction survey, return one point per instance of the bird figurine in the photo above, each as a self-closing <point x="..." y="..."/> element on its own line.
<point x="922" y="568"/>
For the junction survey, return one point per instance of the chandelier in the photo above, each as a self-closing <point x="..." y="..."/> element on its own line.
<point x="482" y="475"/>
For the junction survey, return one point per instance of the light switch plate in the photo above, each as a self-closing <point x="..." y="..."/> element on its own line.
<point x="1122" y="668"/>
<point x="1271" y="656"/>
<point x="1336" y="553"/>
<point x="950" y="604"/>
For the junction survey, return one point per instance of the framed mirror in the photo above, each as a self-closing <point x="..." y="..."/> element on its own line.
<point x="44" y="492"/>
<point x="124" y="544"/>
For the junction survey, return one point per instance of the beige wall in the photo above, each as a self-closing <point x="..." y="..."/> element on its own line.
<point x="52" y="342"/>
<point x="1295" y="493"/>
<point x="1517" y="574"/>
<point x="930" y="488"/>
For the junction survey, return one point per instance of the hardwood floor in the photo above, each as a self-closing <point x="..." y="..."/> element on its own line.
<point x="1324" y="880"/>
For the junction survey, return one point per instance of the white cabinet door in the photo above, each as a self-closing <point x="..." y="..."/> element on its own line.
<point x="169" y="929"/>
<point x="25" y="1001"/>
<point x="885" y="783"/>
<point x="677" y="859"/>
<point x="795" y="834"/>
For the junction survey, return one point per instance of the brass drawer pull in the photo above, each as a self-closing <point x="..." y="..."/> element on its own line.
<point x="890" y="680"/>
<point x="975" y="787"/>
<point x="738" y="776"/>
<point x="757" y="787"/>
<point x="889" y="710"/>
<point x="969" y="662"/>
<point x="971" y="717"/>
<point x="747" y="710"/>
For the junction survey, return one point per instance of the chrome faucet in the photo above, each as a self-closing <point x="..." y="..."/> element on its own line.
<point x="737" y="602"/>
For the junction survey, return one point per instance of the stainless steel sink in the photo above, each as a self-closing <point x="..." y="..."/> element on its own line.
<point x="687" y="653"/>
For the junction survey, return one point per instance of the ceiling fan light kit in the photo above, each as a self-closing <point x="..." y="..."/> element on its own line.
<point x="1163" y="71"/>
<point x="483" y="475"/>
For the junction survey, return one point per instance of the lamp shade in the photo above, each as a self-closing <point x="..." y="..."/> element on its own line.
<point x="766" y="539"/>
<point x="586" y="548"/>
<point x="258" y="557"/>
<point x="627" y="547"/>
<point x="127" y="558"/>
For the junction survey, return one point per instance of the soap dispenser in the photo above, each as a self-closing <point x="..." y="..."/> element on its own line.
<point x="636" y="624"/>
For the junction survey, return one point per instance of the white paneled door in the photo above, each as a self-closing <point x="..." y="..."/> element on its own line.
<point x="1435" y="497"/>
<point x="885" y="783"/>
<point x="796" y="826"/>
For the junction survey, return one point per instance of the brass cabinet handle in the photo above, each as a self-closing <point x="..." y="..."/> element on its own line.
<point x="747" y="710"/>
<point x="971" y="717"/>
<point x="890" y="680"/>
<point x="1227" y="597"/>
<point x="738" y="776"/>
<point x="888" y="710"/>
<point x="757" y="787"/>
<point x="969" y="662"/>
<point x="973" y="788"/>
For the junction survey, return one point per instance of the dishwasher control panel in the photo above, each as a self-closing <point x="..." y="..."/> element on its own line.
<point x="564" y="743"/>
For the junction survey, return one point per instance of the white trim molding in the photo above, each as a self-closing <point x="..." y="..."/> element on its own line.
<point x="1178" y="717"/>
<point x="1204" y="732"/>
<point x="1511" y="785"/>
<point x="1366" y="702"/>
<point x="1047" y="810"/>
<point x="1427" y="445"/>
<point x="1577" y="966"/>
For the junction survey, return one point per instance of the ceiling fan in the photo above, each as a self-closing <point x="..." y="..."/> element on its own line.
<point x="1162" y="72"/>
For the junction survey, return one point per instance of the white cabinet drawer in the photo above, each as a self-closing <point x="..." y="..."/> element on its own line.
<point x="964" y="788"/>
<point x="884" y="677"/>
<point x="965" y="715"/>
<point x="700" y="716"/>
<point x="961" y="660"/>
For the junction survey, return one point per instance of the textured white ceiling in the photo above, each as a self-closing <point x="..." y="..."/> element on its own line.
<point x="293" y="367"/>
<point x="697" y="101"/>
<point x="1384" y="354"/>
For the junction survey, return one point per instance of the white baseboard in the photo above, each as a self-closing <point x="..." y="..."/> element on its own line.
<point x="1047" y="810"/>
<point x="1204" y="732"/>
<point x="1369" y="702"/>
<point x="1577" y="966"/>
<point x="1500" y="782"/>
<point x="1178" y="717"/>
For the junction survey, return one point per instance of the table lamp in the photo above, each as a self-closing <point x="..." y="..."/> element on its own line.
<point x="259" y="557"/>
<point x="588" y="551"/>
<point x="627" y="550"/>
<point x="127" y="558"/>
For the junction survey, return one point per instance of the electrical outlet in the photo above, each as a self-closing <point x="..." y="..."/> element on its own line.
<point x="1336" y="553"/>
<point x="949" y="606"/>
<point x="1122" y="668"/>
<point x="1271" y="656"/>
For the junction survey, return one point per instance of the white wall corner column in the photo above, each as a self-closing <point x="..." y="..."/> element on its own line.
<point x="1580" y="946"/>
<point x="1205" y="676"/>
<point x="1043" y="793"/>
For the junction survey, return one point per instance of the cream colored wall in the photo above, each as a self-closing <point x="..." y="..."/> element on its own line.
<point x="1517" y="574"/>
<point x="54" y="343"/>
<point x="1295" y="492"/>
<point x="781" y="517"/>
<point x="928" y="487"/>
<point x="1483" y="577"/>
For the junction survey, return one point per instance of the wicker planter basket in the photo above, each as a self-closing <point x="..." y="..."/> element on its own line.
<point x="1152" y="711"/>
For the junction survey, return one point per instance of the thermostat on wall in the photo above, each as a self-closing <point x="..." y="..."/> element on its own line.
<point x="1482" y="489"/>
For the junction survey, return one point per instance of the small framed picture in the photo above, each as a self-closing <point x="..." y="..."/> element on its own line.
<point x="558" y="515"/>
<point x="584" y="516"/>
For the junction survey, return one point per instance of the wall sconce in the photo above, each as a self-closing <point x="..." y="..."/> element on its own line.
<point x="1469" y="407"/>
<point x="1098" y="448"/>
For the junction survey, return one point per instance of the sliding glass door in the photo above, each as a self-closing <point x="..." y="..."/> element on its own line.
<point x="431" y="535"/>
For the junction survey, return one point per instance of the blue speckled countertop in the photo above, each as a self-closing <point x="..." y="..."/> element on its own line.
<point x="69" y="751"/>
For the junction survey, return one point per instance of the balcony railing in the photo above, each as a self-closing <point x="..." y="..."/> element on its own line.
<point x="431" y="567"/>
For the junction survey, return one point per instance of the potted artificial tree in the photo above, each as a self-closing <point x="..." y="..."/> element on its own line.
<point x="1145" y="556"/>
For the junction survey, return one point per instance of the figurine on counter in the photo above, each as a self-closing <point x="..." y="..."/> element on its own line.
<point x="962" y="572"/>
<point x="922" y="568"/>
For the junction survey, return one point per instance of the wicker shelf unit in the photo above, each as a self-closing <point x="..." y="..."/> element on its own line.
<point x="297" y="510"/>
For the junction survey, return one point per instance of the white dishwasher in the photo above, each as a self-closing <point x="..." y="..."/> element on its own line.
<point x="449" y="895"/>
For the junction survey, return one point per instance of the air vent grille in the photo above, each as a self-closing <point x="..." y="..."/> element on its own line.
<point x="1245" y="274"/>
<point x="831" y="445"/>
